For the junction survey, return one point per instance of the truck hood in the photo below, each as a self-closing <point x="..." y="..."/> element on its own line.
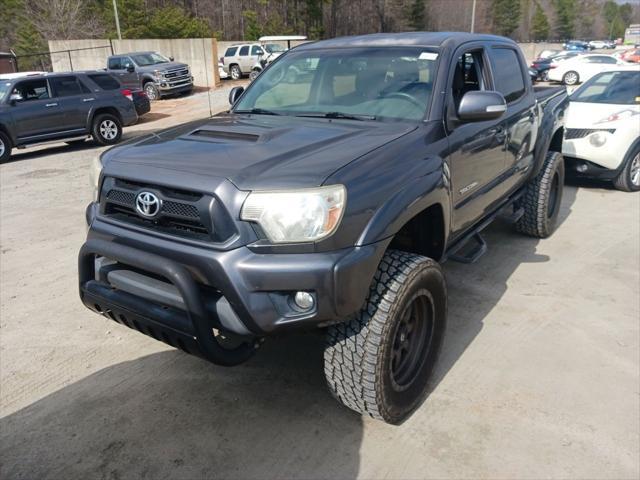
<point x="257" y="152"/>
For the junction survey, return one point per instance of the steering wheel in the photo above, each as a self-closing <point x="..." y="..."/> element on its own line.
<point x="406" y="97"/>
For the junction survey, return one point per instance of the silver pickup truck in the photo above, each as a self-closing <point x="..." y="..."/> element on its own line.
<point x="156" y="74"/>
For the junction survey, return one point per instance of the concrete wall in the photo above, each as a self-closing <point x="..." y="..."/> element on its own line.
<point x="532" y="50"/>
<point x="199" y="53"/>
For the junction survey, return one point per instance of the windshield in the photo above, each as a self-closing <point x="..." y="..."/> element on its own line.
<point x="4" y="88"/>
<point x="274" y="48"/>
<point x="146" y="59"/>
<point x="620" y="88"/>
<point x="394" y="83"/>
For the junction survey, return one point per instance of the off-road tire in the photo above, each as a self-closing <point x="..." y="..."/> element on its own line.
<point x="624" y="181"/>
<point x="235" y="73"/>
<point x="98" y="133"/>
<point x="152" y="92"/>
<point x="359" y="354"/>
<point x="5" y="147"/>
<point x="542" y="198"/>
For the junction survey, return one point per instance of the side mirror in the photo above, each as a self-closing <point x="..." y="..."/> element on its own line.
<point x="478" y="106"/>
<point x="234" y="95"/>
<point x="131" y="68"/>
<point x="14" y="98"/>
<point x="171" y="58"/>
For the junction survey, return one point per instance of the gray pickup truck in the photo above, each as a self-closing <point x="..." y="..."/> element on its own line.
<point x="326" y="199"/>
<point x="156" y="74"/>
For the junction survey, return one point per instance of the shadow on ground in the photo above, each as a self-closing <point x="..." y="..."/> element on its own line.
<point x="169" y="415"/>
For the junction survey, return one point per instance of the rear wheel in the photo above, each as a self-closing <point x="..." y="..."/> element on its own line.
<point x="106" y="129"/>
<point x="5" y="147"/>
<point x="629" y="178"/>
<point x="542" y="198"/>
<point x="570" y="78"/>
<point x="379" y="363"/>
<point x="235" y="72"/>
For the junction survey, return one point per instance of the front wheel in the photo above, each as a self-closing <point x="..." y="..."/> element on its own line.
<point x="570" y="78"/>
<point x="106" y="129"/>
<point x="152" y="91"/>
<point x="253" y="75"/>
<point x="629" y="178"/>
<point x="542" y="198"/>
<point x="379" y="363"/>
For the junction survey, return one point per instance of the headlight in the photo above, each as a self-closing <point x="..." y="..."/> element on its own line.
<point x="598" y="139"/>
<point x="293" y="216"/>
<point x="94" y="175"/>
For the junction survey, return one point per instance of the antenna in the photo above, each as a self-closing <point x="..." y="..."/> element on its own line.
<point x="206" y="72"/>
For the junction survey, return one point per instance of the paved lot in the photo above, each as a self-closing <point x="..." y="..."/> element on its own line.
<point x="539" y="378"/>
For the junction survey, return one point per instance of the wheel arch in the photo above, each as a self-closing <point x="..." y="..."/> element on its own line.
<point x="111" y="110"/>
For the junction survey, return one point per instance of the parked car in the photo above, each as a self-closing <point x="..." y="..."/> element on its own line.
<point x="543" y="65"/>
<point x="602" y="44"/>
<point x="631" y="55"/>
<point x="61" y="107"/>
<point x="152" y="72"/>
<point x="271" y="51"/>
<point x="577" y="45"/>
<point x="602" y="134"/>
<point x="548" y="53"/>
<point x="324" y="199"/>
<point x="582" y="68"/>
<point x="238" y="60"/>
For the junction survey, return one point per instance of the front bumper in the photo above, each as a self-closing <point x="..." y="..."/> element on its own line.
<point x="235" y="290"/>
<point x="170" y="87"/>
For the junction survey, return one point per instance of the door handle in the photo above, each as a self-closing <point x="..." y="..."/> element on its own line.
<point x="88" y="99"/>
<point x="51" y="105"/>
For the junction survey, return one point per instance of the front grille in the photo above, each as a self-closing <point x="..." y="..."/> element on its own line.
<point x="180" y="72"/>
<point x="575" y="133"/>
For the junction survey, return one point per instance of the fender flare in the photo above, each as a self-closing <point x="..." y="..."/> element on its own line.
<point x="419" y="194"/>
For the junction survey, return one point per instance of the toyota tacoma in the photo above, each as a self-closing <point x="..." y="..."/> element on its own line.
<point x="326" y="198"/>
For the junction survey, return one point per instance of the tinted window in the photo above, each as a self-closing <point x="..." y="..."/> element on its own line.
<point x="231" y="51"/>
<point x="244" y="50"/>
<point x="127" y="62"/>
<point x="105" y="82"/>
<point x="66" y="86"/>
<point x="620" y="88"/>
<point x="114" y="63"/>
<point x="467" y="76"/>
<point x="507" y="73"/>
<point x="32" y="90"/>
<point x="255" y="50"/>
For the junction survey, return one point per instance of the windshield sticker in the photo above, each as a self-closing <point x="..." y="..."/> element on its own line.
<point x="428" y="56"/>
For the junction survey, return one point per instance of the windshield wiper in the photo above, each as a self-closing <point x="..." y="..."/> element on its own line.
<point x="340" y="115"/>
<point x="258" y="111"/>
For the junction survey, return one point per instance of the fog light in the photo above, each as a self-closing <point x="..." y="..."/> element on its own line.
<point x="304" y="300"/>
<point x="582" y="167"/>
<point x="598" y="139"/>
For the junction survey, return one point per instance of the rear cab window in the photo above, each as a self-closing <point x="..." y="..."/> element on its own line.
<point x="104" y="81"/>
<point x="67" y="86"/>
<point x="507" y="73"/>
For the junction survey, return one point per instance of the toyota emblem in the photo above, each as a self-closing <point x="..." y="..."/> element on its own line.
<point x="148" y="204"/>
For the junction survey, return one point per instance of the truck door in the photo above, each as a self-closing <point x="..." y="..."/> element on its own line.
<point x="119" y="67"/>
<point x="520" y="121"/>
<point x="36" y="114"/>
<point x="477" y="157"/>
<point x="75" y="100"/>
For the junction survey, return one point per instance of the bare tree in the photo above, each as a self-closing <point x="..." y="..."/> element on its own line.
<point x="64" y="19"/>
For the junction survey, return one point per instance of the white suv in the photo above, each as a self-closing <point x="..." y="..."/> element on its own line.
<point x="238" y="60"/>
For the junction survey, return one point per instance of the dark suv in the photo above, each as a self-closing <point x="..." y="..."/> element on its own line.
<point x="67" y="107"/>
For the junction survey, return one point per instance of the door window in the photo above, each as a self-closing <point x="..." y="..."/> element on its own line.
<point x="115" y="63"/>
<point x="508" y="73"/>
<point x="127" y="62"/>
<point x="105" y="82"/>
<point x="67" y="86"/>
<point x="244" y="51"/>
<point x="256" y="50"/>
<point x="468" y="75"/>
<point x="32" y="90"/>
<point x="231" y="51"/>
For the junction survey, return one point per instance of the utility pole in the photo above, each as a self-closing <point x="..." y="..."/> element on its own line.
<point x="473" y="16"/>
<point x="115" y="12"/>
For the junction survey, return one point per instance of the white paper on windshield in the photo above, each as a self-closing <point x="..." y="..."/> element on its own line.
<point x="428" y="56"/>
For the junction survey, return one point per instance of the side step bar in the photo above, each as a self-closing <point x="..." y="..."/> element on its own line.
<point x="473" y="254"/>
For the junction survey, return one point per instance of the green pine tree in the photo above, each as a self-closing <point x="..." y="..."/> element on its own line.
<point x="506" y="16"/>
<point x="540" y="27"/>
<point x="173" y="22"/>
<point x="252" y="29"/>
<point x="566" y="14"/>
<point x="416" y="17"/>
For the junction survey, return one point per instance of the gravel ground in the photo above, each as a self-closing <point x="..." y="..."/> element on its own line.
<point x="539" y="375"/>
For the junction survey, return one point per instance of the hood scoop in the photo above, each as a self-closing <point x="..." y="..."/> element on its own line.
<point x="224" y="136"/>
